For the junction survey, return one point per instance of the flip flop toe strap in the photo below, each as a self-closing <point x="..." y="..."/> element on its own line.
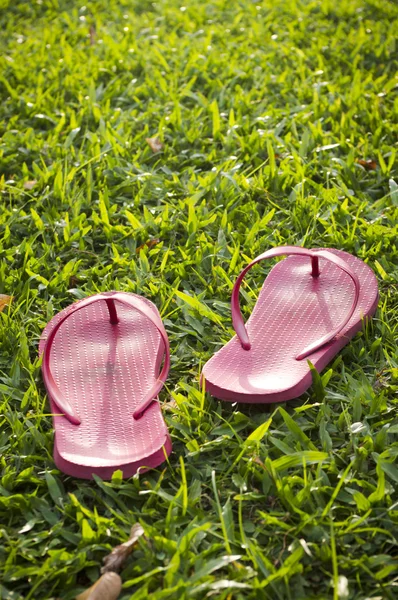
<point x="109" y="297"/>
<point x="237" y="319"/>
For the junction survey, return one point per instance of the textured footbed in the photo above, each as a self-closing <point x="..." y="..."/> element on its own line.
<point x="293" y="310"/>
<point x="104" y="371"/>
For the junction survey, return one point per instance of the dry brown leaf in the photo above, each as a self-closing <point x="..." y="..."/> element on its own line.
<point x="148" y="244"/>
<point x="93" y="35"/>
<point x="28" y="185"/>
<point x="73" y="281"/>
<point x="155" y="144"/>
<point x="170" y="405"/>
<point x="114" y="561"/>
<point x="369" y="165"/>
<point x="108" y="587"/>
<point x="4" y="301"/>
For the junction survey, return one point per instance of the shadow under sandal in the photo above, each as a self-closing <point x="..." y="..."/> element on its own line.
<point x="101" y="366"/>
<point x="310" y="306"/>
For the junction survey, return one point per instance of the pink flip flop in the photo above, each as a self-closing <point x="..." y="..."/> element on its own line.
<point x="307" y="309"/>
<point x="101" y="358"/>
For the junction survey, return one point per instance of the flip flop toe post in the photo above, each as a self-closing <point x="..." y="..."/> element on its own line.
<point x="102" y="366"/>
<point x="311" y="305"/>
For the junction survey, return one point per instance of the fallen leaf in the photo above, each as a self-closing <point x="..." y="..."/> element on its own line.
<point x="148" y="244"/>
<point x="155" y="144"/>
<point x="28" y="185"/>
<point x="4" y="301"/>
<point x="73" y="281"/>
<point x="171" y="405"/>
<point x="108" y="587"/>
<point x="115" y="560"/>
<point x="369" y="165"/>
<point x="92" y="35"/>
<point x="260" y="462"/>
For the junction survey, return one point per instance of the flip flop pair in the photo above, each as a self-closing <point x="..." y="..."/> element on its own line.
<point x="102" y="357"/>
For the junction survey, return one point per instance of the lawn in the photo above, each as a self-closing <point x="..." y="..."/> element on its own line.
<point x="269" y="123"/>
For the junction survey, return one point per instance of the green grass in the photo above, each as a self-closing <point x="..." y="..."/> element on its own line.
<point x="263" y="110"/>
